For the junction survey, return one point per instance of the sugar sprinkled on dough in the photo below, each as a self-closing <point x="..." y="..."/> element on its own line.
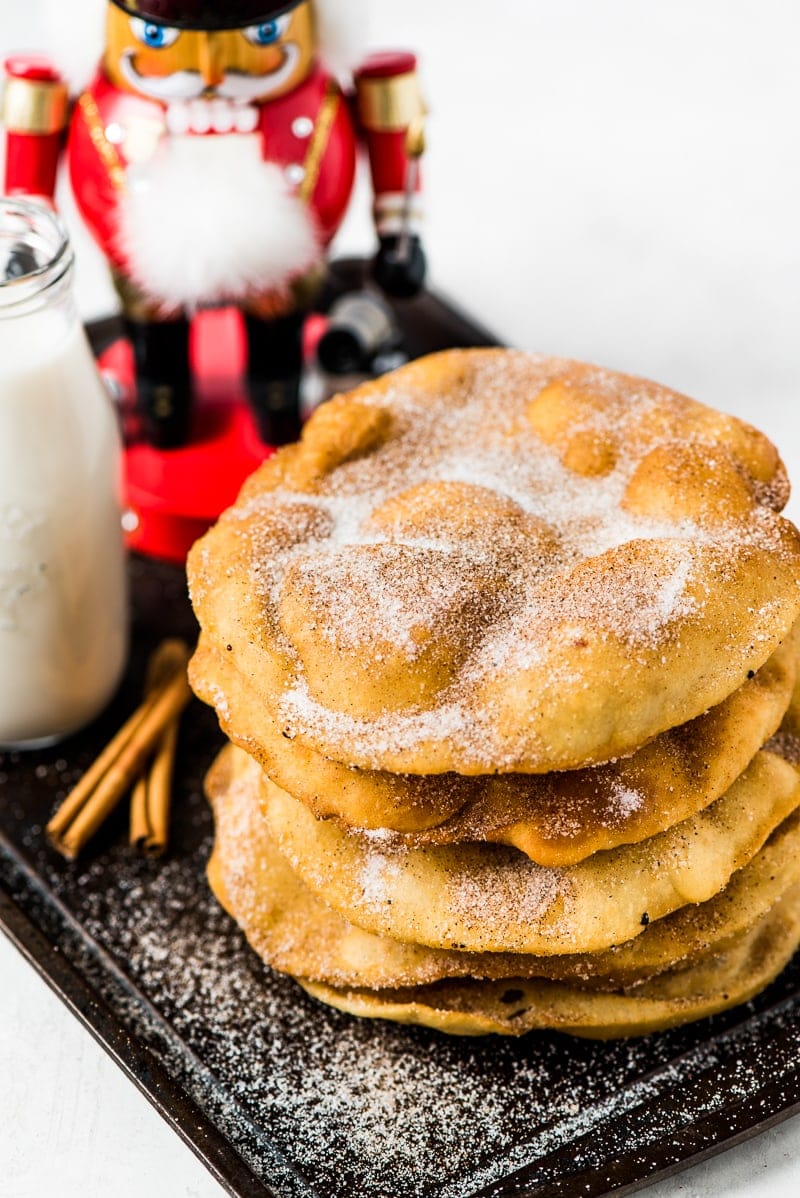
<point x="519" y="885"/>
<point x="592" y="564"/>
<point x="376" y="871"/>
<point x="625" y="799"/>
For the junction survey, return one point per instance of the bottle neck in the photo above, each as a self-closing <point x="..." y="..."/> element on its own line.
<point x="36" y="259"/>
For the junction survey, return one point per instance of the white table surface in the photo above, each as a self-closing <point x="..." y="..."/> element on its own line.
<point x="609" y="180"/>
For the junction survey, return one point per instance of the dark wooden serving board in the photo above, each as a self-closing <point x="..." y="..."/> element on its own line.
<point x="281" y="1096"/>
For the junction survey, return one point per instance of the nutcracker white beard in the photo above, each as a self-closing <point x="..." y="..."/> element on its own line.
<point x="207" y="221"/>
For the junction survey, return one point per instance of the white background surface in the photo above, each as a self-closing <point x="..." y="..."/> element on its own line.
<point x="613" y="180"/>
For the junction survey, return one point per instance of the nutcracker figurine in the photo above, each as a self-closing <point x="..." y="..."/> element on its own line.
<point x="213" y="158"/>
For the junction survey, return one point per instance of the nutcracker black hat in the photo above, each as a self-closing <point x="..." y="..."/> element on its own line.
<point x="207" y="14"/>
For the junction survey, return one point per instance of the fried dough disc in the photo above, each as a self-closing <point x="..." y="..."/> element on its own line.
<point x="488" y="562"/>
<point x="515" y="1007"/>
<point x="297" y="933"/>
<point x="556" y="819"/>
<point x="363" y="798"/>
<point x="487" y="898"/>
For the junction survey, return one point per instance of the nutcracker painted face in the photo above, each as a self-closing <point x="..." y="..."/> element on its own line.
<point x="181" y="50"/>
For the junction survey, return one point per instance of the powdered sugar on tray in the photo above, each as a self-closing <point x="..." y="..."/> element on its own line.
<point x="319" y="1103"/>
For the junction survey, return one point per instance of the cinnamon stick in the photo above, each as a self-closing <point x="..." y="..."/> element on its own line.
<point x="120" y="763"/>
<point x="140" y="822"/>
<point x="152" y="798"/>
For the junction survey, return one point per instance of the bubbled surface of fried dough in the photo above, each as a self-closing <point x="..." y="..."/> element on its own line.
<point x="294" y="931"/>
<point x="556" y="819"/>
<point x="489" y="562"/>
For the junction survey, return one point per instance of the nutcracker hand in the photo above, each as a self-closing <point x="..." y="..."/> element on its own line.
<point x="399" y="266"/>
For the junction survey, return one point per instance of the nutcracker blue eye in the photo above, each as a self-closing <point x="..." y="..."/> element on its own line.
<point x="268" y="32"/>
<point x="151" y="34"/>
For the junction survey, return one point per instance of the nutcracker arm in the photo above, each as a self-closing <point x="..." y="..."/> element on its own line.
<point x="392" y="114"/>
<point x="34" y="111"/>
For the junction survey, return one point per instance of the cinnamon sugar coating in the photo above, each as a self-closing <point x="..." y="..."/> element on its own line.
<point x="296" y="932"/>
<point x="502" y="639"/>
<point x="556" y="819"/>
<point x="488" y="898"/>
<point x="495" y="563"/>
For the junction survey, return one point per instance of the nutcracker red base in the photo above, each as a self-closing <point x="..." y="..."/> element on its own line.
<point x="173" y="496"/>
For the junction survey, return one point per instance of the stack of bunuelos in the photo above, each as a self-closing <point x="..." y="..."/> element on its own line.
<point x="506" y="650"/>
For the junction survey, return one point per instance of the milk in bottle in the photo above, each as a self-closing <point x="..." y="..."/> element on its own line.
<point x="63" y="617"/>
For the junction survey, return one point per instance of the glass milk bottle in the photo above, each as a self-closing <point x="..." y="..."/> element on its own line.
<point x="63" y="600"/>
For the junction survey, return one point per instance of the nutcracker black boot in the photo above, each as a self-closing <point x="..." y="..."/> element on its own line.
<point x="274" y="374"/>
<point x="163" y="380"/>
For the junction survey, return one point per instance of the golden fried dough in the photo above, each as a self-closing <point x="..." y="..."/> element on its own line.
<point x="508" y="650"/>
<point x="359" y="797"/>
<point x="294" y="931"/>
<point x="488" y="898"/>
<point x="556" y="819"/>
<point x="615" y="568"/>
<point x="517" y="1006"/>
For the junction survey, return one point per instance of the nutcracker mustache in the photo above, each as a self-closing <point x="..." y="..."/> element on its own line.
<point x="190" y="85"/>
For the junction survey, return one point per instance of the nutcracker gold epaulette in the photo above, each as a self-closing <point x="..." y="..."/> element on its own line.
<point x="35" y="100"/>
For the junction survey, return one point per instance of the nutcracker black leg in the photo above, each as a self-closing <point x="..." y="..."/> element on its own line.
<point x="163" y="380"/>
<point x="274" y="373"/>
